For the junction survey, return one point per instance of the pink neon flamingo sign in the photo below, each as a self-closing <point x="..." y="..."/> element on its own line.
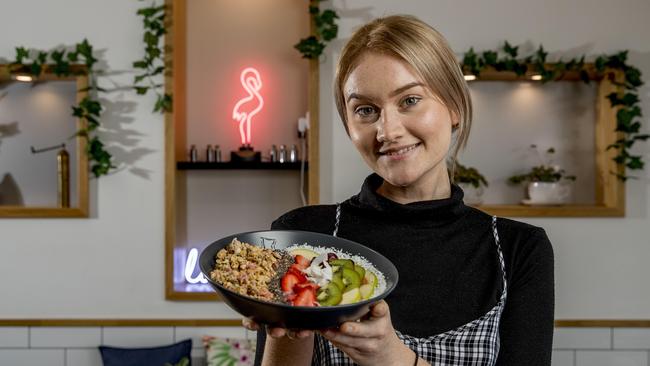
<point x="250" y="105"/>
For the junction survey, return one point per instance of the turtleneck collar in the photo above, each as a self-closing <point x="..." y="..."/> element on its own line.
<point x="440" y="210"/>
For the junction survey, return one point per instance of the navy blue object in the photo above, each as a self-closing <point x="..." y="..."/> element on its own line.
<point x="154" y="356"/>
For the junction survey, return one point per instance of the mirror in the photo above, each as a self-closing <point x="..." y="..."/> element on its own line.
<point x="43" y="164"/>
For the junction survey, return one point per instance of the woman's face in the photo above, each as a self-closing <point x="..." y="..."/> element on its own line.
<point x="400" y="128"/>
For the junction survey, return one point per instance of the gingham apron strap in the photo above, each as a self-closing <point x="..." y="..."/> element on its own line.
<point x="338" y="219"/>
<point x="502" y="262"/>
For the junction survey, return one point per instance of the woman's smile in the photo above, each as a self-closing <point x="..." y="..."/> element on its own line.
<point x="398" y="153"/>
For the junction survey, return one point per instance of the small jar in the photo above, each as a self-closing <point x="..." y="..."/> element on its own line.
<point x="217" y="154"/>
<point x="282" y="154"/>
<point x="194" y="154"/>
<point x="209" y="154"/>
<point x="293" y="154"/>
<point x="274" y="154"/>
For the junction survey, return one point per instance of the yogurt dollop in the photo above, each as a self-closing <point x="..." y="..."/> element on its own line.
<point x="319" y="271"/>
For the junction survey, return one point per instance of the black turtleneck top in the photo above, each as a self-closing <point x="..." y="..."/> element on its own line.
<point x="448" y="267"/>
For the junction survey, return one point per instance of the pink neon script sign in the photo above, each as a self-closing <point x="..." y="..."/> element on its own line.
<point x="250" y="105"/>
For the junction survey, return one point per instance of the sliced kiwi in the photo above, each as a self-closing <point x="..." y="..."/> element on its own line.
<point x="338" y="281"/>
<point x="360" y="270"/>
<point x="329" y="295"/>
<point x="351" y="279"/>
<point x="347" y="263"/>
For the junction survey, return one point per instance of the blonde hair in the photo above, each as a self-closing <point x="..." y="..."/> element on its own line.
<point x="424" y="49"/>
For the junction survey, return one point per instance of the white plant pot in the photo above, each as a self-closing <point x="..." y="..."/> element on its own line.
<point x="547" y="193"/>
<point x="473" y="196"/>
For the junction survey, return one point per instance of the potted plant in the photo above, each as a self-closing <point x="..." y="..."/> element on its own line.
<point x="472" y="183"/>
<point x="544" y="181"/>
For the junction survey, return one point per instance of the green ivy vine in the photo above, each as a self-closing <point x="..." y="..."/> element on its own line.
<point x="326" y="30"/>
<point x="152" y="65"/>
<point x="628" y="115"/>
<point x="63" y="63"/>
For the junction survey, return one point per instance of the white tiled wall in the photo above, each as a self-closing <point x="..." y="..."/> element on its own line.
<point x="601" y="347"/>
<point x="77" y="346"/>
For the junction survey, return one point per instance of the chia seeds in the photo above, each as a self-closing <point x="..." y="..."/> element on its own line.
<point x="284" y="262"/>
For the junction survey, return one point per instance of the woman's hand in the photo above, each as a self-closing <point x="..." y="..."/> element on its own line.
<point x="285" y="346"/>
<point x="372" y="341"/>
<point x="277" y="333"/>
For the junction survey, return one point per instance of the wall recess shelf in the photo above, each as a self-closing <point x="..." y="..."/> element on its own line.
<point x="609" y="200"/>
<point x="202" y="165"/>
<point x="178" y="171"/>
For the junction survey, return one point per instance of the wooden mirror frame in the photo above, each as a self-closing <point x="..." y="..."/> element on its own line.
<point x="175" y="54"/>
<point x="79" y="75"/>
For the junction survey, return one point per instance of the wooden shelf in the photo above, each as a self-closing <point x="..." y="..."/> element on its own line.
<point x="42" y="212"/>
<point x="264" y="165"/>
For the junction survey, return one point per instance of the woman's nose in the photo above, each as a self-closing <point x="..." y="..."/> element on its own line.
<point x="389" y="126"/>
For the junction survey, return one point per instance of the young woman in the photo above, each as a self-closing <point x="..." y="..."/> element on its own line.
<point x="473" y="289"/>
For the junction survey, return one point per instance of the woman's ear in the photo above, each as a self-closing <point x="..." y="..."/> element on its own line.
<point x="455" y="120"/>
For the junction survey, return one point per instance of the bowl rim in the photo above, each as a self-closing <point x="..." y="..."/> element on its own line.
<point x="381" y="296"/>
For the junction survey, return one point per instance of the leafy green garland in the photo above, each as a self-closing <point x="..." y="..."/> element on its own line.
<point x="605" y="66"/>
<point x="326" y="30"/>
<point x="61" y="62"/>
<point x="153" y="63"/>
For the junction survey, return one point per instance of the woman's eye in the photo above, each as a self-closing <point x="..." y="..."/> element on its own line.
<point x="365" y="111"/>
<point x="410" y="101"/>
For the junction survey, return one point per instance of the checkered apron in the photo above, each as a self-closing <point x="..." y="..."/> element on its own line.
<point x="475" y="343"/>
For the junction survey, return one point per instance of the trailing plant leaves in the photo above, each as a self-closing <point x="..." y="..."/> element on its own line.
<point x="152" y="64"/>
<point x="628" y="99"/>
<point x="605" y="67"/>
<point x="490" y="58"/>
<point x="21" y="54"/>
<point x="471" y="62"/>
<point x="469" y="175"/>
<point x="88" y="109"/>
<point x="509" y="50"/>
<point x="312" y="46"/>
<point x="633" y="78"/>
<point x="140" y="64"/>
<point x="541" y="55"/>
<point x="141" y="90"/>
<point x="163" y="103"/>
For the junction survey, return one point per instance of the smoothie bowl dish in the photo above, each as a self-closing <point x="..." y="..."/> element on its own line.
<point x="297" y="279"/>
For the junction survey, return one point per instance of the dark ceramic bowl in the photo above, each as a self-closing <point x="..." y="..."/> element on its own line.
<point x="299" y="317"/>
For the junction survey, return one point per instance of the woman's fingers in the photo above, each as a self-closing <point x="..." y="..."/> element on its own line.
<point x="249" y="324"/>
<point x="276" y="332"/>
<point x="300" y="334"/>
<point x="348" y="342"/>
<point x="379" y="309"/>
<point x="289" y="333"/>
<point x="374" y="326"/>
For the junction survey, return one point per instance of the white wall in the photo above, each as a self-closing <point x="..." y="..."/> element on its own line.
<point x="601" y="264"/>
<point x="111" y="265"/>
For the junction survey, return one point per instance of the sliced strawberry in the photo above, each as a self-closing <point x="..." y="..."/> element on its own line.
<point x="296" y="271"/>
<point x="298" y="287"/>
<point x="288" y="281"/>
<point x="306" y="297"/>
<point x="302" y="261"/>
